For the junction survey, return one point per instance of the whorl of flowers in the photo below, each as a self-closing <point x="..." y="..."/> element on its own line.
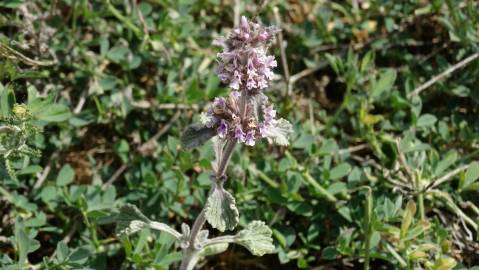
<point x="244" y="64"/>
<point x="246" y="114"/>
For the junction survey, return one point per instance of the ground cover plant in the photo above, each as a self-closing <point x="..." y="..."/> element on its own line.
<point x="107" y="109"/>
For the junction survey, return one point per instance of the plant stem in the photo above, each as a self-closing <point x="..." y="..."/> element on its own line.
<point x="199" y="222"/>
<point x="318" y="188"/>
<point x="398" y="257"/>
<point x="201" y="218"/>
<point x="420" y="198"/>
<point x="227" y="152"/>
<point x="125" y="20"/>
<point x="367" y="227"/>
<point x="92" y="229"/>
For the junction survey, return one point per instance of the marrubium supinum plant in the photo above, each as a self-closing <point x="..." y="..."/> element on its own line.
<point x="245" y="116"/>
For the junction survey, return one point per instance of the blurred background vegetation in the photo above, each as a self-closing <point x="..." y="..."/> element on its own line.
<point x="382" y="169"/>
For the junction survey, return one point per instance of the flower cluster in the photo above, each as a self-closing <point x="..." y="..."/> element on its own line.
<point x="244" y="64"/>
<point x="225" y="115"/>
<point x="246" y="114"/>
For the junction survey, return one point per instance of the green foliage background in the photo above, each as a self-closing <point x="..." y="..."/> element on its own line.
<point x="94" y="96"/>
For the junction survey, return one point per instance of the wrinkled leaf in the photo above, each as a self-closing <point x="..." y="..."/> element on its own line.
<point x="256" y="237"/>
<point x="130" y="220"/>
<point x="279" y="131"/>
<point x="221" y="211"/>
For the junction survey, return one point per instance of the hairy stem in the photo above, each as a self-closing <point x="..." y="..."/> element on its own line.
<point x="227" y="152"/>
<point x="186" y="263"/>
<point x="199" y="222"/>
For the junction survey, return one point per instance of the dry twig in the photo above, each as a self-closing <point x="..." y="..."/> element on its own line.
<point x="281" y="45"/>
<point x="443" y="75"/>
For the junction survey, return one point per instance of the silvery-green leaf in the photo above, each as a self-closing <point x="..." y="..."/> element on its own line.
<point x="185" y="236"/>
<point x="256" y="237"/>
<point x="202" y="236"/>
<point x="130" y="220"/>
<point x="185" y="230"/>
<point x="221" y="211"/>
<point x="279" y="131"/>
<point x="196" y="135"/>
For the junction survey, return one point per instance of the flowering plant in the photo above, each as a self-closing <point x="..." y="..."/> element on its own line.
<point x="244" y="116"/>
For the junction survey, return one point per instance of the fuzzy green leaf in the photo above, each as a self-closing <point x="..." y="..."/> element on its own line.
<point x="130" y="220"/>
<point x="279" y="131"/>
<point x="256" y="237"/>
<point x="196" y="135"/>
<point x="221" y="211"/>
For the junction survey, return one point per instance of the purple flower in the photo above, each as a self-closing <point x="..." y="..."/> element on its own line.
<point x="239" y="134"/>
<point x="270" y="61"/>
<point x="244" y="64"/>
<point x="222" y="129"/>
<point x="219" y="102"/>
<point x="250" y="139"/>
<point x="262" y="83"/>
<point x="235" y="94"/>
<point x="246" y="68"/>
<point x="262" y="129"/>
<point x="251" y="83"/>
<point x="263" y="36"/>
<point x="236" y="81"/>
<point x="269" y="113"/>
